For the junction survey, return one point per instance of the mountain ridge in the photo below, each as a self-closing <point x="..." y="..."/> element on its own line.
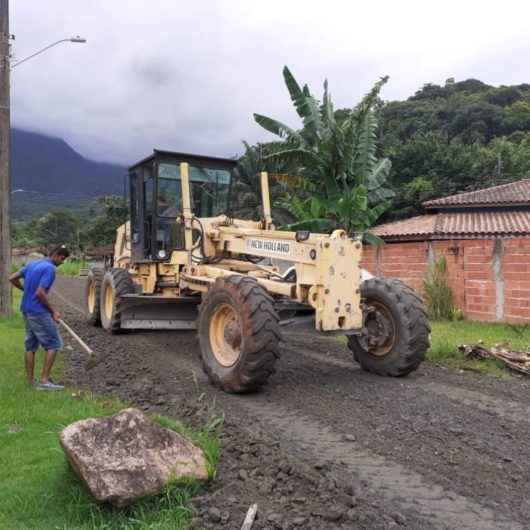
<point x="41" y="163"/>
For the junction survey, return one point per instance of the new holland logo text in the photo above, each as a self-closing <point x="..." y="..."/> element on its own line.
<point x="268" y="245"/>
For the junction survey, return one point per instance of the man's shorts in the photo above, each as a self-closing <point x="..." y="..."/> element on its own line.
<point x="41" y="329"/>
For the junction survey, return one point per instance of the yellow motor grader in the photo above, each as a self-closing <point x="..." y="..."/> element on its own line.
<point x="181" y="262"/>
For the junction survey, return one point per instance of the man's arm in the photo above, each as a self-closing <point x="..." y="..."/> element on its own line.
<point x="43" y="299"/>
<point x="15" y="280"/>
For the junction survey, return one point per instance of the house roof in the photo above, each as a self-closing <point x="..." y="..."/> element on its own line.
<point x="423" y="225"/>
<point x="186" y="157"/>
<point x="460" y="225"/>
<point x="512" y="194"/>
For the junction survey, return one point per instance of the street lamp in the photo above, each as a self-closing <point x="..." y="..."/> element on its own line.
<point x="5" y="134"/>
<point x="76" y="39"/>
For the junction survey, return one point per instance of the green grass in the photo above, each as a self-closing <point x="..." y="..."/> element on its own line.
<point x="446" y="336"/>
<point x="72" y="266"/>
<point x="39" y="490"/>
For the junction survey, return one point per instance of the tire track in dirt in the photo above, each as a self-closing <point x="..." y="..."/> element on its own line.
<point x="436" y="506"/>
<point x="514" y="411"/>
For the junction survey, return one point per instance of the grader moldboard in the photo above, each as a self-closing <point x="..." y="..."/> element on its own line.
<point x="182" y="263"/>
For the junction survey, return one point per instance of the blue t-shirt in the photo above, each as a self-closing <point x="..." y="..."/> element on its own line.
<point x="40" y="273"/>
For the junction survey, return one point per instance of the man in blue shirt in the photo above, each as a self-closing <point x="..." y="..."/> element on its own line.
<point x="40" y="317"/>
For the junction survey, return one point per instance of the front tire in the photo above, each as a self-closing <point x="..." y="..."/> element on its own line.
<point x="396" y="330"/>
<point x="239" y="334"/>
<point x="116" y="283"/>
<point x="93" y="296"/>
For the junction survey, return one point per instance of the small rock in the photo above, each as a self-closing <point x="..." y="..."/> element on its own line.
<point x="349" y="489"/>
<point x="214" y="514"/>
<point x="333" y="514"/>
<point x="399" y="518"/>
<point x="352" y="501"/>
<point x="12" y="429"/>
<point x="243" y="475"/>
<point x="298" y="521"/>
<point x="350" y="438"/>
<point x="351" y="515"/>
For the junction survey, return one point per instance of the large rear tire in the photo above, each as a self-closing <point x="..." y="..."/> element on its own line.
<point x="116" y="283"/>
<point x="93" y="295"/>
<point x="396" y="330"/>
<point x="239" y="334"/>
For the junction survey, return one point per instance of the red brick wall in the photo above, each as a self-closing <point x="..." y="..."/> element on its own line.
<point x="490" y="279"/>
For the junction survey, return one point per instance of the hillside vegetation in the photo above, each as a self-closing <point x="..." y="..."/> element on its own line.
<point x="457" y="137"/>
<point x="442" y="140"/>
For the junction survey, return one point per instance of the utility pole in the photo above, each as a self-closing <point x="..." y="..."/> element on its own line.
<point x="5" y="174"/>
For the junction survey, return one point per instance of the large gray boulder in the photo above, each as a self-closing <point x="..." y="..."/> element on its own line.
<point x="124" y="457"/>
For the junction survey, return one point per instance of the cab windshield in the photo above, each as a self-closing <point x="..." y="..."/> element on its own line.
<point x="209" y="190"/>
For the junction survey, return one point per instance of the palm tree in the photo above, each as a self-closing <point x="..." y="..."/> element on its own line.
<point x="344" y="183"/>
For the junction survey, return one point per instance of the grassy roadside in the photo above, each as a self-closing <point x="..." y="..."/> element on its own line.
<point x="446" y="336"/>
<point x="39" y="490"/>
<point x="72" y="266"/>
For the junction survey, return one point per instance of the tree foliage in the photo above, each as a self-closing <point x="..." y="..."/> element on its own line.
<point x="77" y="231"/>
<point x="454" y="138"/>
<point x="246" y="186"/>
<point x="343" y="182"/>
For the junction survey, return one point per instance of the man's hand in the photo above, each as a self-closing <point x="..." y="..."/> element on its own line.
<point x="40" y="293"/>
<point x="15" y="280"/>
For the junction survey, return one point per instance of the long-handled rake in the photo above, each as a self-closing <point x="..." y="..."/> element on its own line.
<point x="91" y="362"/>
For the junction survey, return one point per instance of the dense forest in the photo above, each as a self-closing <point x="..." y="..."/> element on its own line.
<point x="442" y="140"/>
<point x="458" y="137"/>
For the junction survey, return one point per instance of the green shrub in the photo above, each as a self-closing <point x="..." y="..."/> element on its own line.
<point x="438" y="294"/>
<point x="72" y="266"/>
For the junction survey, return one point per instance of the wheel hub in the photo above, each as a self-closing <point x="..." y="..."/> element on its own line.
<point x="379" y="332"/>
<point x="225" y="335"/>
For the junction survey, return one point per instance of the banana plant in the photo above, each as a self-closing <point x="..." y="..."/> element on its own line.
<point x="344" y="183"/>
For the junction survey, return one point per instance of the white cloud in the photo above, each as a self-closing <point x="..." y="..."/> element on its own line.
<point x="189" y="76"/>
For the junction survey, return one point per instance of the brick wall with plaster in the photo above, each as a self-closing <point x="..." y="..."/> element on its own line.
<point x="490" y="278"/>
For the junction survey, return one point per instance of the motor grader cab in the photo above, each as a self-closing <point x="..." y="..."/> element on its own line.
<point x="181" y="262"/>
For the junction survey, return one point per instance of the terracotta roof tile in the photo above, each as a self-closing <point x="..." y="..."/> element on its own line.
<point x="515" y="193"/>
<point x="458" y="224"/>
<point x="415" y="226"/>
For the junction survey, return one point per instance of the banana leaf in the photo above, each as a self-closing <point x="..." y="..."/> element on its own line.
<point x="317" y="226"/>
<point x="275" y="126"/>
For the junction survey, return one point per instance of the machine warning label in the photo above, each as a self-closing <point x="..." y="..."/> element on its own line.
<point x="269" y="245"/>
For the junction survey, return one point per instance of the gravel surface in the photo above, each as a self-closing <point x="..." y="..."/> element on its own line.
<point x="325" y="445"/>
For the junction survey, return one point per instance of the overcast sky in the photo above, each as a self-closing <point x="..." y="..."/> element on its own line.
<point x="187" y="76"/>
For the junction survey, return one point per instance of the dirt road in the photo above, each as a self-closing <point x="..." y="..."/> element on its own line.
<point x="325" y="445"/>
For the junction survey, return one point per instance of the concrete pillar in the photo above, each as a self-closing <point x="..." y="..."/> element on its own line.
<point x="431" y="258"/>
<point x="496" y="267"/>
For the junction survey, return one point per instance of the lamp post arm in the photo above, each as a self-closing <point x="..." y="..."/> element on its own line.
<point x="39" y="52"/>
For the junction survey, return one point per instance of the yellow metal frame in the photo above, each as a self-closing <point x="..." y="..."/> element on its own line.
<point x="327" y="266"/>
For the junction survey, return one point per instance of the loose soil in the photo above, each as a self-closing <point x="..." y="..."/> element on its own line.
<point x="325" y="445"/>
